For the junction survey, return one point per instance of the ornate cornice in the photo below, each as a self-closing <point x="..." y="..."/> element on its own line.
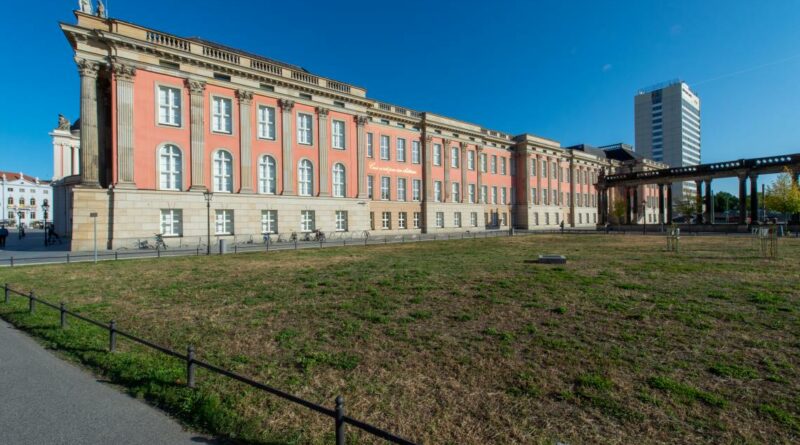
<point x="123" y="71"/>
<point x="464" y="145"/>
<point x="361" y="120"/>
<point x="286" y="104"/>
<point x="195" y="86"/>
<point x="244" y="96"/>
<point x="428" y="138"/>
<point x="88" y="68"/>
<point x="322" y="111"/>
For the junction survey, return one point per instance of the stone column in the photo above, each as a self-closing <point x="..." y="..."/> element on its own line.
<point x="287" y="178"/>
<point x="627" y="205"/>
<point x="699" y="200"/>
<point x="322" y="143"/>
<point x="558" y="180"/>
<point x="463" y="166"/>
<point x="753" y="198"/>
<point x="245" y="141"/>
<point x="572" y="190"/>
<point x="635" y="209"/>
<point x="661" y="203"/>
<point x="709" y="203"/>
<point x="742" y="199"/>
<point x="446" y="161"/>
<point x="123" y="76"/>
<point x="669" y="203"/>
<point x="197" y="129"/>
<point x="361" y="153"/>
<point x="90" y="138"/>
<point x="539" y="170"/>
<point x="427" y="150"/>
<point x="479" y="191"/>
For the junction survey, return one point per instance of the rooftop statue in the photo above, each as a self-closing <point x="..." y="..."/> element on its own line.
<point x="63" y="122"/>
<point x="101" y="9"/>
<point x="85" y="6"/>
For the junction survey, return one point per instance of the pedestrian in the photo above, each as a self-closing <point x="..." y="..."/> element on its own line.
<point x="608" y="227"/>
<point x="21" y="231"/>
<point x="3" y="235"/>
<point x="562" y="226"/>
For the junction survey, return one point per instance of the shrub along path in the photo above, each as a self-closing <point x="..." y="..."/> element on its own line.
<point x="462" y="342"/>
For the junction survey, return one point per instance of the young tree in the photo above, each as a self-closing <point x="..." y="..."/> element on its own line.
<point x="783" y="195"/>
<point x="688" y="208"/>
<point x="618" y="211"/>
<point x="725" y="201"/>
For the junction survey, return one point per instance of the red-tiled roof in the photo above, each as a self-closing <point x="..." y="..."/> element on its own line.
<point x="11" y="176"/>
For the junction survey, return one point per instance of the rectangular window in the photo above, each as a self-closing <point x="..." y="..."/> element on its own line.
<point x="269" y="221"/>
<point x="534" y="196"/>
<point x="471" y="195"/>
<point x="494" y="164"/>
<point x="473" y="219"/>
<point x="416" y="220"/>
<point x="305" y="134"/>
<point x="484" y="194"/>
<point x="555" y="197"/>
<point x="456" y="192"/>
<point x="266" y="122"/>
<point x="386" y="188"/>
<point x="386" y="220"/>
<point x="224" y="222"/>
<point x="439" y="220"/>
<point x="494" y="195"/>
<point x="371" y="220"/>
<point x="370" y="186"/>
<point x="544" y="196"/>
<point x="555" y="170"/>
<point x="416" y="189"/>
<point x="437" y="154"/>
<point x="503" y="196"/>
<point x="385" y="147"/>
<point x="503" y="220"/>
<point x="307" y="221"/>
<point x="533" y="167"/>
<point x="457" y="219"/>
<point x="454" y="157"/>
<point x="169" y="106"/>
<point x="171" y="222"/>
<point x="503" y="166"/>
<point x="416" y="157"/>
<point x="341" y="221"/>
<point x="370" y="146"/>
<point x="471" y="160"/>
<point x="337" y="135"/>
<point x="544" y="168"/>
<point x="401" y="220"/>
<point x="483" y="162"/>
<point x="437" y="191"/>
<point x="221" y="115"/>
<point x="401" y="189"/>
<point x="401" y="150"/>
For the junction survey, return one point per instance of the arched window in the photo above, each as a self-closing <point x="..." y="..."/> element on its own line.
<point x="10" y="200"/>
<point x="22" y="201"/>
<point x="171" y="167"/>
<point x="266" y="175"/>
<point x="45" y="202"/>
<point x="305" y="175"/>
<point x="33" y="202"/>
<point x="339" y="181"/>
<point x="223" y="171"/>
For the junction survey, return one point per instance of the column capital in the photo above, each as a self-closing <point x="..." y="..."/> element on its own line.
<point x="322" y="112"/>
<point x="428" y="138"/>
<point x="123" y="71"/>
<point x="361" y="120"/>
<point x="445" y="142"/>
<point x="464" y="145"/>
<point x="88" y="68"/>
<point x="195" y="86"/>
<point x="244" y="96"/>
<point x="286" y="104"/>
<point x="479" y="148"/>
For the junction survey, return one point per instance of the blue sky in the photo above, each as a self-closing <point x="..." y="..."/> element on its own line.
<point x="565" y="70"/>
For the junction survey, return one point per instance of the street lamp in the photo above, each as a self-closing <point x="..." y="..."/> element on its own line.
<point x="208" y="195"/>
<point x="45" y="207"/>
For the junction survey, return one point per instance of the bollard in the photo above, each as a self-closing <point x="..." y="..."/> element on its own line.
<point x="320" y="243"/>
<point x="6" y="292"/>
<point x="31" y="302"/>
<point x="339" y="420"/>
<point x="112" y="336"/>
<point x="67" y="258"/>
<point x="235" y="248"/>
<point x="116" y="257"/>
<point x="158" y="252"/>
<point x="63" y="310"/>
<point x="190" y="366"/>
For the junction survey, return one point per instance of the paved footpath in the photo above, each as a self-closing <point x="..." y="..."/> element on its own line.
<point x="45" y="400"/>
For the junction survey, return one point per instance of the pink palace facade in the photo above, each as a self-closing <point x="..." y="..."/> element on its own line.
<point x="164" y="119"/>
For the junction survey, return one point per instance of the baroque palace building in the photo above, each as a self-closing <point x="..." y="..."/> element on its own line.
<point x="164" y="119"/>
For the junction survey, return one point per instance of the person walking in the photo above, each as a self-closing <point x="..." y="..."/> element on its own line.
<point x="562" y="226"/>
<point x="21" y="231"/>
<point x="3" y="236"/>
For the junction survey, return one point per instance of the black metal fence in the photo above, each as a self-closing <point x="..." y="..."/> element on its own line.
<point x="337" y="413"/>
<point x="273" y="246"/>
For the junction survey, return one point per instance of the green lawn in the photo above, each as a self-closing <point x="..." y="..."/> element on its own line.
<point x="456" y="342"/>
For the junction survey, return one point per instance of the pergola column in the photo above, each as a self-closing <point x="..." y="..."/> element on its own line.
<point x="245" y="141"/>
<point x="123" y="77"/>
<point x="709" y="213"/>
<point x="795" y="181"/>
<point x="753" y="198"/>
<point x="661" y="203"/>
<point x="90" y="149"/>
<point x="635" y="205"/>
<point x="361" y="153"/>
<point x="287" y="178"/>
<point x="669" y="203"/>
<point x="322" y="143"/>
<point x="699" y="200"/>
<point x="627" y="205"/>
<point x="743" y="199"/>
<point x="197" y="132"/>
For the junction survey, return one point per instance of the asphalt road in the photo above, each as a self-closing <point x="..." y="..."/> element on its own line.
<point x="45" y="400"/>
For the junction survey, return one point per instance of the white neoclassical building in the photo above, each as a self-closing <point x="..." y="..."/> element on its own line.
<point x="27" y="199"/>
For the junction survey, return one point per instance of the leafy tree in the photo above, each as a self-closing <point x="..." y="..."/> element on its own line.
<point x="618" y="211"/>
<point x="723" y="200"/>
<point x="688" y="207"/>
<point x="783" y="195"/>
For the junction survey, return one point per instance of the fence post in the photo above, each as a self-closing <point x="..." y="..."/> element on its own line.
<point x="235" y="248"/>
<point x="67" y="258"/>
<point x="190" y="366"/>
<point x="115" y="255"/>
<point x="320" y="243"/>
<point x="31" y="302"/>
<point x="158" y="252"/>
<point x="295" y="244"/>
<point x="63" y="310"/>
<point x="339" y="420"/>
<point x="6" y="292"/>
<point x="112" y="336"/>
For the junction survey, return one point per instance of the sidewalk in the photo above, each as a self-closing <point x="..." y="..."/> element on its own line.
<point x="45" y="400"/>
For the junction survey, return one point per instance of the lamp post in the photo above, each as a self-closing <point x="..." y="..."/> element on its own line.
<point x="45" y="207"/>
<point x="208" y="195"/>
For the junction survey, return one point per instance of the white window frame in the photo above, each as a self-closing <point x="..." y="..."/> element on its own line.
<point x="266" y="122"/>
<point x="169" y="106"/>
<point x="267" y="175"/>
<point x="473" y="219"/>
<point x="221" y="117"/>
<point x="223" y="222"/>
<point x="401" y="189"/>
<point x="269" y="221"/>
<point x="305" y="178"/>
<point x="503" y="196"/>
<point x="370" y="145"/>
<point x="471" y="160"/>
<point x="454" y="155"/>
<point x="437" y="154"/>
<point x="307" y="221"/>
<point x="416" y="154"/>
<point x="222" y="164"/>
<point x="485" y="194"/>
<point x="471" y="193"/>
<point x="402" y="222"/>
<point x="483" y="163"/>
<point x="386" y="142"/>
<point x="416" y="220"/>
<point x="494" y="194"/>
<point x="305" y="128"/>
<point x="503" y="163"/>
<point x="457" y="219"/>
<point x="494" y="164"/>
<point x="437" y="191"/>
<point x="386" y="188"/>
<point x="338" y="134"/>
<point x="455" y="191"/>
<point x="341" y="220"/>
<point x="339" y="176"/>
<point x="386" y="220"/>
<point x="172" y="222"/>
<point x="439" y="220"/>
<point x="170" y="175"/>
<point x="370" y="187"/>
<point x="416" y="189"/>
<point x="401" y="149"/>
